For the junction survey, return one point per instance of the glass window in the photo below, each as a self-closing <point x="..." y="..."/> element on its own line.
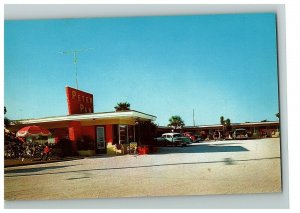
<point x="177" y="135"/>
<point x="126" y="134"/>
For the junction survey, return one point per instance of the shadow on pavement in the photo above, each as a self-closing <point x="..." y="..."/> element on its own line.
<point x="39" y="169"/>
<point x="226" y="161"/>
<point x="222" y="144"/>
<point x="202" y="148"/>
<point x="78" y="178"/>
<point x="100" y="156"/>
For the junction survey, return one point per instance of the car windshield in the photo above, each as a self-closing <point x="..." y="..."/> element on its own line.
<point x="240" y="131"/>
<point x="176" y="135"/>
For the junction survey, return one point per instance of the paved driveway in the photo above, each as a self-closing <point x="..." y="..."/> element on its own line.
<point x="221" y="167"/>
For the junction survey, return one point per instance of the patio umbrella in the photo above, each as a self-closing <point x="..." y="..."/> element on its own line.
<point x="33" y="131"/>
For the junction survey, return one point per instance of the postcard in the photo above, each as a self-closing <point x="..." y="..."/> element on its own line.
<point x="141" y="107"/>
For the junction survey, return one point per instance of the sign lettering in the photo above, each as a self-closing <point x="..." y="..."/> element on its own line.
<point x="79" y="102"/>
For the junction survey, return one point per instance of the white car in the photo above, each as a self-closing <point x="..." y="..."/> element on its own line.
<point x="240" y="134"/>
<point x="175" y="139"/>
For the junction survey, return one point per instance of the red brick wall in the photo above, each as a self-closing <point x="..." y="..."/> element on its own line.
<point x="109" y="133"/>
<point x="89" y="131"/>
<point x="74" y="132"/>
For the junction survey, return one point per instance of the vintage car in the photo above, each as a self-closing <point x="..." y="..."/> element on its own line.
<point x="173" y="139"/>
<point x="194" y="138"/>
<point x="240" y="134"/>
<point x="190" y="135"/>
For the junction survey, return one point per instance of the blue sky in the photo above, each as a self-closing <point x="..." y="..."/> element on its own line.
<point x="215" y="64"/>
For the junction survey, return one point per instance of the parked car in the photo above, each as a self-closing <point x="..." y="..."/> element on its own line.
<point x="240" y="134"/>
<point x="190" y="135"/>
<point x="198" y="140"/>
<point x="174" y="139"/>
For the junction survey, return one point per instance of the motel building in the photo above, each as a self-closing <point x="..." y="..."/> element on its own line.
<point x="106" y="129"/>
<point x="256" y="129"/>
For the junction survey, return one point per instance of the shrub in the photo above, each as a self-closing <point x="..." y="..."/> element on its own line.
<point x="146" y="131"/>
<point x="65" y="145"/>
<point x="85" y="143"/>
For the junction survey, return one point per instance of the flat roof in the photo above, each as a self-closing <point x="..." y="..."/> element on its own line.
<point x="219" y="125"/>
<point x="87" y="116"/>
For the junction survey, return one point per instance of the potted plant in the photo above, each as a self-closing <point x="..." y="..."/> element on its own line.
<point x="86" y="146"/>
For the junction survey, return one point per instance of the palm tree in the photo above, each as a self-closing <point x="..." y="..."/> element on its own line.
<point x="176" y="122"/>
<point x="222" y="121"/>
<point x="122" y="106"/>
<point x="226" y="125"/>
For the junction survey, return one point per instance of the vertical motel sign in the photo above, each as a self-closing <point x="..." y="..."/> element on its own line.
<point x="79" y="102"/>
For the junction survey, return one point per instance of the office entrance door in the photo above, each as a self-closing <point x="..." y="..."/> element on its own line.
<point x="101" y="145"/>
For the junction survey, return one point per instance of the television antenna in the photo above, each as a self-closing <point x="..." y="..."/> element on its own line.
<point x="75" y="59"/>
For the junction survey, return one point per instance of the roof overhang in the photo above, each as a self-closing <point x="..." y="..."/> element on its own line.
<point x="91" y="116"/>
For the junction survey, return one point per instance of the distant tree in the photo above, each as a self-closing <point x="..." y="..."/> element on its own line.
<point x="122" y="106"/>
<point x="222" y="121"/>
<point x="277" y="115"/>
<point x="6" y="120"/>
<point x="226" y="125"/>
<point x="264" y="120"/>
<point x="145" y="132"/>
<point x="176" y="122"/>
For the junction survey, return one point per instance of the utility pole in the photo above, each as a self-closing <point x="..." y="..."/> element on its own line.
<point x="193" y="117"/>
<point x="75" y="59"/>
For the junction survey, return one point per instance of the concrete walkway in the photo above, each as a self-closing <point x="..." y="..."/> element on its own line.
<point x="222" y="167"/>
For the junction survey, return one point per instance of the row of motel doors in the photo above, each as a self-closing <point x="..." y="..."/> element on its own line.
<point x="122" y="134"/>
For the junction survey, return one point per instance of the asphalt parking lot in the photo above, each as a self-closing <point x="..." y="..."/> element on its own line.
<point x="221" y="167"/>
